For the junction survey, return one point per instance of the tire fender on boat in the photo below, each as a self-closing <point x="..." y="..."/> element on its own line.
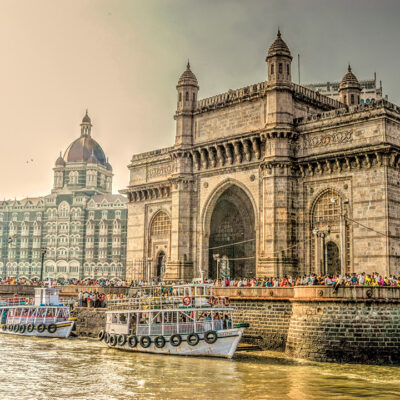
<point x="4" y="327"/>
<point x="30" y="328"/>
<point x="101" y="335"/>
<point x="107" y="337"/>
<point x="227" y="301"/>
<point x="159" y="341"/>
<point x="113" y="340"/>
<point x="10" y="327"/>
<point x="175" y="339"/>
<point x="210" y="337"/>
<point x="132" y="341"/>
<point x="52" y="328"/>
<point x="40" y="328"/>
<point x="22" y="328"/>
<point x="145" y="341"/>
<point x="193" y="339"/>
<point x="121" y="340"/>
<point x="16" y="328"/>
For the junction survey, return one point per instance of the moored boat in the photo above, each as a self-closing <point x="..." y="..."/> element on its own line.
<point x="181" y="320"/>
<point x="41" y="316"/>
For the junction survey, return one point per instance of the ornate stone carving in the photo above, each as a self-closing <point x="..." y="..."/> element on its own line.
<point x="159" y="170"/>
<point x="327" y="140"/>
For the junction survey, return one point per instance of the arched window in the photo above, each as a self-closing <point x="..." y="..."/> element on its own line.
<point x="272" y="69"/>
<point x="325" y="220"/>
<point x="161" y="224"/>
<point x="352" y="99"/>
<point x="63" y="209"/>
<point x="180" y="97"/>
<point x="280" y="68"/>
<point x="288" y="69"/>
<point x="187" y="96"/>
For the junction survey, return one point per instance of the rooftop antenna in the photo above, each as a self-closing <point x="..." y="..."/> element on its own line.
<point x="298" y="63"/>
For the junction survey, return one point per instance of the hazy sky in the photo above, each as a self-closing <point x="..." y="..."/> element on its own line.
<point x="121" y="59"/>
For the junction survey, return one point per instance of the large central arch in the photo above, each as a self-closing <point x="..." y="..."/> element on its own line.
<point x="230" y="233"/>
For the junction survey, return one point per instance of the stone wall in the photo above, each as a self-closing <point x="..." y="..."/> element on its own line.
<point x="345" y="331"/>
<point x="89" y="321"/>
<point x="269" y="321"/>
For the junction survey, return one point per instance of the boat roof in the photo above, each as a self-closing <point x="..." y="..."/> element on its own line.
<point x="157" y="310"/>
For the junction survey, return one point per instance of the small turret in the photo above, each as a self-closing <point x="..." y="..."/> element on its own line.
<point x="350" y="89"/>
<point x="187" y="88"/>
<point x="60" y="161"/>
<point x="279" y="61"/>
<point x="86" y="125"/>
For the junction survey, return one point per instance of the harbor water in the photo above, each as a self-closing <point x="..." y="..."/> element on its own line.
<point x="34" y="368"/>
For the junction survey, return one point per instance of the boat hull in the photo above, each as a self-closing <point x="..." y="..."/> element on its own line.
<point x="225" y="346"/>
<point x="64" y="330"/>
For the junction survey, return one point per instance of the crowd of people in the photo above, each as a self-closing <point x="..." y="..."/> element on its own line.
<point x="361" y="279"/>
<point x="70" y="282"/>
<point x="354" y="279"/>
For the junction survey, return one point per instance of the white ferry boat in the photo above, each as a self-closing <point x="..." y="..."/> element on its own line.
<point x="42" y="315"/>
<point x="181" y="320"/>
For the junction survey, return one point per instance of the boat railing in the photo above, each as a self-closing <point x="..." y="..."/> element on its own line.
<point x="16" y="301"/>
<point x="153" y="303"/>
<point x="34" y="320"/>
<point x="181" y="328"/>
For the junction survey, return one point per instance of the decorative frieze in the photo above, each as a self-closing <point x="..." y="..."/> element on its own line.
<point x="159" y="170"/>
<point x="149" y="192"/>
<point x="347" y="163"/>
<point x="321" y="140"/>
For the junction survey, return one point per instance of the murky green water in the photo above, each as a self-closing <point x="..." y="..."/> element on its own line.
<point x="33" y="368"/>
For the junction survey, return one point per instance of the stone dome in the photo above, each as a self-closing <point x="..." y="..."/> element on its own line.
<point x="279" y="47"/>
<point x="85" y="149"/>
<point x="349" y="81"/>
<point x="60" y="161"/>
<point x="188" y="78"/>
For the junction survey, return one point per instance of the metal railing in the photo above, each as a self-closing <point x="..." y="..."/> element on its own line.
<point x="181" y="328"/>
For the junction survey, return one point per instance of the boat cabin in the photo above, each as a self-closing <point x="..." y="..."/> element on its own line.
<point x="45" y="296"/>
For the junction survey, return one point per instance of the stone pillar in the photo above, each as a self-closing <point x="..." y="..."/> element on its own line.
<point x="135" y="243"/>
<point x="278" y="256"/>
<point x="180" y="264"/>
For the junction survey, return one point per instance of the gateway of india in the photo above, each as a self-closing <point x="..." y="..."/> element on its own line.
<point x="268" y="180"/>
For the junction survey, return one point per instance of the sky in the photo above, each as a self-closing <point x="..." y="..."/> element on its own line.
<point x="121" y="59"/>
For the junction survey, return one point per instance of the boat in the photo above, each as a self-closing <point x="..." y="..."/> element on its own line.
<point x="178" y="320"/>
<point x="42" y="316"/>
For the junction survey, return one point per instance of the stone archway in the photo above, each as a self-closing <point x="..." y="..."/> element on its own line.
<point x="232" y="221"/>
<point x="161" y="265"/>
<point x="333" y="258"/>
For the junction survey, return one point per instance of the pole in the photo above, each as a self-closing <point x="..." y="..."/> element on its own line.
<point x="342" y="255"/>
<point x="217" y="269"/>
<point x="41" y="267"/>
<point x="323" y="253"/>
<point x="298" y="63"/>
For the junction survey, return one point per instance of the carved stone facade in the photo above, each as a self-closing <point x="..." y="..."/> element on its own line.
<point x="274" y="177"/>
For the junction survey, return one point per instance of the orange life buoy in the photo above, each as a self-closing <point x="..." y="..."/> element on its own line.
<point x="212" y="300"/>
<point x="186" y="301"/>
<point x="227" y="301"/>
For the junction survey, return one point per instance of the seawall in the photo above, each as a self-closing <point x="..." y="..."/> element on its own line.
<point x="351" y="324"/>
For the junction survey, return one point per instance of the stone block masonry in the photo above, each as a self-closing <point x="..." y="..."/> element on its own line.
<point x="268" y="319"/>
<point x="345" y="331"/>
<point x="89" y="321"/>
